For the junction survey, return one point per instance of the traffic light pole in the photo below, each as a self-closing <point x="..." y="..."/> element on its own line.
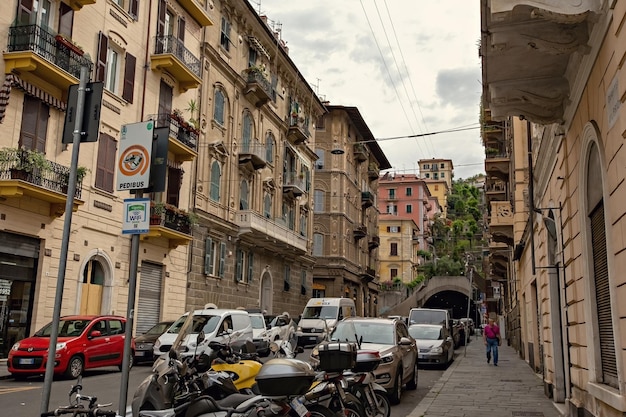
<point x="69" y="207"/>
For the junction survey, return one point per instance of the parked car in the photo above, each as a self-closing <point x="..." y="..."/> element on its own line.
<point x="217" y="324"/>
<point x="281" y="327"/>
<point x="83" y="342"/>
<point x="390" y="337"/>
<point x="469" y="324"/>
<point x="144" y="343"/>
<point x="434" y="347"/>
<point x="259" y="333"/>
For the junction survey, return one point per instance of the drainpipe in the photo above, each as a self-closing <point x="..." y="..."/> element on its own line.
<point x="145" y="65"/>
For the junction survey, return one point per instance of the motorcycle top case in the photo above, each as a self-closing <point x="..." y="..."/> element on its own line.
<point x="337" y="356"/>
<point x="367" y="361"/>
<point x="281" y="376"/>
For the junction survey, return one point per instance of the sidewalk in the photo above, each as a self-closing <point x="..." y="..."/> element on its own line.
<point x="472" y="388"/>
<point x="4" y="372"/>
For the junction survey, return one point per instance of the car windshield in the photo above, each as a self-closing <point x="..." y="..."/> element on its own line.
<point x="204" y="323"/>
<point x="257" y="322"/>
<point x="158" y="329"/>
<point x="67" y="328"/>
<point x="425" y="333"/>
<point x="321" y="312"/>
<point x="349" y="331"/>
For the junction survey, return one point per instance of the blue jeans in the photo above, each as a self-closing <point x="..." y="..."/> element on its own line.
<point x="492" y="346"/>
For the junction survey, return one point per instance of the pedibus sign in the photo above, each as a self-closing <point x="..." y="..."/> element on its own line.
<point x="133" y="165"/>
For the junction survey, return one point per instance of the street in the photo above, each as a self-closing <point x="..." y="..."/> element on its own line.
<point x="23" y="398"/>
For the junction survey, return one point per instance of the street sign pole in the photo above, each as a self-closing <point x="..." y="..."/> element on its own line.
<point x="69" y="207"/>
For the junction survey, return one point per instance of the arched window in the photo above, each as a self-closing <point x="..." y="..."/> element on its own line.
<point x="216" y="175"/>
<point x="246" y="133"/>
<point x="318" y="244"/>
<point x="218" y="107"/>
<point x="243" y="196"/>
<point x="267" y="206"/>
<point x="269" y="148"/>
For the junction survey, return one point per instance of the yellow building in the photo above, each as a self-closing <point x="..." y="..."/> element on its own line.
<point x="399" y="244"/>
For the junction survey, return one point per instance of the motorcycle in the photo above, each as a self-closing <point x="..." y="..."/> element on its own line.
<point x="361" y="383"/>
<point x="242" y="367"/>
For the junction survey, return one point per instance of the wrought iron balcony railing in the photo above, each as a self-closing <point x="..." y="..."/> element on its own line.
<point x="171" y="45"/>
<point x="179" y="129"/>
<point x="50" y="46"/>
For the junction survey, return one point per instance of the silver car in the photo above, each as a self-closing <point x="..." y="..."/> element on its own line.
<point x="433" y="347"/>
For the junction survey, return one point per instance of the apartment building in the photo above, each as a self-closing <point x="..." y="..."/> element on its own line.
<point x="563" y="168"/>
<point x="345" y="232"/>
<point x="400" y="240"/>
<point x="254" y="178"/>
<point x="437" y="169"/>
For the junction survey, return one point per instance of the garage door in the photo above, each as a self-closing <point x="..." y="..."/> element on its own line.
<point x="149" y="300"/>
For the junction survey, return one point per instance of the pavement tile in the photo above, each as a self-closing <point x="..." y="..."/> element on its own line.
<point x="472" y="388"/>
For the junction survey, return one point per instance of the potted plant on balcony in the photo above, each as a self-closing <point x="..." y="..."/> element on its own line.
<point x="25" y="164"/>
<point x="157" y="210"/>
<point x="69" y="44"/>
<point x="81" y="172"/>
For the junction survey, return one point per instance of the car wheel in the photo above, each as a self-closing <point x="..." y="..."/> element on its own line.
<point x="396" y="393"/>
<point x="131" y="362"/>
<point x="75" y="367"/>
<point x="412" y="384"/>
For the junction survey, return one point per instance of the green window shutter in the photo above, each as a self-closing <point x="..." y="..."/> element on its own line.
<point x="208" y="256"/>
<point x="220" y="273"/>
<point x="250" y="265"/>
<point x="239" y="266"/>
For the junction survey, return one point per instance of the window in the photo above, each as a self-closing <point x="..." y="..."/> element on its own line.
<point x="269" y="148"/>
<point x="105" y="168"/>
<point x="318" y="244"/>
<point x="320" y="123"/>
<point x="409" y="208"/>
<point x="393" y="273"/>
<point x="131" y="6"/>
<point x="303" y="223"/>
<point x="252" y="56"/>
<point x="287" y="277"/>
<point x="243" y="196"/>
<point x="214" y="257"/>
<point x="246" y="133"/>
<point x="435" y="176"/>
<point x="289" y="216"/>
<point x="393" y="249"/>
<point x="267" y="206"/>
<point x="244" y="266"/>
<point x="34" y="129"/>
<point x="442" y="165"/>
<point x="218" y="107"/>
<point x="110" y="63"/>
<point x="426" y="166"/>
<point x="225" y="34"/>
<point x="319" y="164"/>
<point x="174" y="184"/>
<point x="393" y="229"/>
<point x="303" y="282"/>
<point x="392" y="209"/>
<point x="436" y="188"/>
<point x="216" y="176"/>
<point x="427" y="175"/>
<point x="319" y="197"/>
<point x="442" y="175"/>
<point x="392" y="193"/>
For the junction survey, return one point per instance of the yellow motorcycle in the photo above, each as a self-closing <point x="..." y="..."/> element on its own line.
<point x="238" y="362"/>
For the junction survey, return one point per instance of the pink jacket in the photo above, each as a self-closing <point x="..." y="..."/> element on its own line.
<point x="492" y="332"/>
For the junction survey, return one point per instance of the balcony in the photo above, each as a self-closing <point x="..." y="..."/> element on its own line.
<point x="367" y="199"/>
<point x="298" y="131"/>
<point x="252" y="155"/>
<point x="33" y="51"/>
<point x="269" y="234"/>
<point x="46" y="181"/>
<point x="498" y="165"/>
<point x="533" y="54"/>
<point x="169" y="222"/>
<point x="373" y="243"/>
<point x="197" y="10"/>
<point x="294" y="184"/>
<point x="258" y="90"/>
<point x="359" y="232"/>
<point x="171" y="55"/>
<point x="76" y="5"/>
<point x="501" y="224"/>
<point x="495" y="190"/>
<point x="183" y="137"/>
<point x="368" y="275"/>
<point x="373" y="172"/>
<point x="361" y="153"/>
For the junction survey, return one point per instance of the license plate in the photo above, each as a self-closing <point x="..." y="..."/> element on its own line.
<point x="26" y="361"/>
<point x="421" y="356"/>
<point x="297" y="405"/>
<point x="140" y="353"/>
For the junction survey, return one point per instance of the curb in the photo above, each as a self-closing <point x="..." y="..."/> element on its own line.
<point x="423" y="406"/>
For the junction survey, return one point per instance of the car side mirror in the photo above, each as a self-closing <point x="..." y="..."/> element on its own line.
<point x="404" y="341"/>
<point x="95" y="333"/>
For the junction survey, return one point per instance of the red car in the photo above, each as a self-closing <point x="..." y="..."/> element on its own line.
<point x="83" y="342"/>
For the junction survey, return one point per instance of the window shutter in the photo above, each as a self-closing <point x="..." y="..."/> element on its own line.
<point x="105" y="170"/>
<point x="239" y="266"/>
<point x="25" y="9"/>
<point x="181" y="29"/>
<point x="133" y="9"/>
<point x="161" y="19"/>
<point x="208" y="256"/>
<point x="250" y="265"/>
<point x="101" y="65"/>
<point x="220" y="273"/>
<point x="66" y="19"/>
<point x="129" y="78"/>
<point x="603" y="297"/>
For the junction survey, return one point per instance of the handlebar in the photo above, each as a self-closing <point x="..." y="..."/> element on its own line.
<point x="80" y="411"/>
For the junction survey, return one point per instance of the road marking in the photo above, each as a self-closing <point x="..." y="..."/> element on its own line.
<point x="16" y="389"/>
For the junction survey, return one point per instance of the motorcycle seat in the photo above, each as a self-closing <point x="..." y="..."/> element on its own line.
<point x="233" y="400"/>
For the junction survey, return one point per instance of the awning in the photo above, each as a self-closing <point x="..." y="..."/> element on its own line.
<point x="256" y="44"/>
<point x="12" y="80"/>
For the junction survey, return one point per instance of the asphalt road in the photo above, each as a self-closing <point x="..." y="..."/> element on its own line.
<point x="23" y="398"/>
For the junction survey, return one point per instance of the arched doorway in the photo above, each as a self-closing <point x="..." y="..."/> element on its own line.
<point x="94" y="292"/>
<point x="267" y="294"/>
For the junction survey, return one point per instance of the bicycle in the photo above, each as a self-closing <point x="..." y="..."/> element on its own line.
<point x="77" y="404"/>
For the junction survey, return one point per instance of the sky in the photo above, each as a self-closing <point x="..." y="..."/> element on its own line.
<point x="410" y="67"/>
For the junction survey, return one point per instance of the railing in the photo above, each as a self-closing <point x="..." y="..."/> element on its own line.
<point x="171" y="45"/>
<point x="254" y="147"/>
<point x="301" y="123"/>
<point x="256" y="76"/>
<point x="49" y="46"/>
<point x="170" y="217"/>
<point x="53" y="176"/>
<point x="179" y="129"/>
<point x="296" y="180"/>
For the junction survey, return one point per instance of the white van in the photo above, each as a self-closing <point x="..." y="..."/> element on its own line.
<point x="320" y="316"/>
<point x="217" y="324"/>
